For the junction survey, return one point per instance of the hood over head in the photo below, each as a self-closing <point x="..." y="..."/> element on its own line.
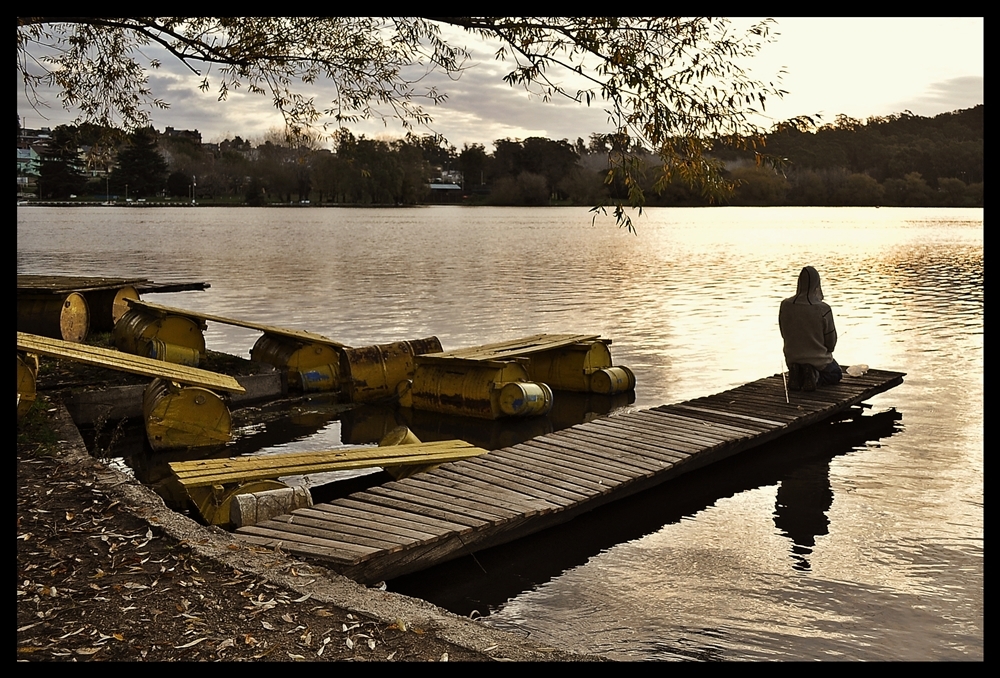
<point x="808" y="290"/>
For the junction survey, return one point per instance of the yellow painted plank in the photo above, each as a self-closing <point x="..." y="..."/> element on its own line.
<point x="193" y="467"/>
<point x="206" y="472"/>
<point x="368" y="452"/>
<point x="515" y="348"/>
<point x="126" y="362"/>
<point x="267" y="329"/>
<point x="236" y="476"/>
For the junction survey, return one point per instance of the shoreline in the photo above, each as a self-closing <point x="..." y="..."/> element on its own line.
<point x="279" y="569"/>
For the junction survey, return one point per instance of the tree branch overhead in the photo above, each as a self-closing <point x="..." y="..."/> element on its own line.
<point x="674" y="85"/>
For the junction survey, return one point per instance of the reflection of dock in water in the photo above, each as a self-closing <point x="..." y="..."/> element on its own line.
<point x="469" y="505"/>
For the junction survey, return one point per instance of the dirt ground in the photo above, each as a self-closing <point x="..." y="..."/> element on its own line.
<point x="105" y="572"/>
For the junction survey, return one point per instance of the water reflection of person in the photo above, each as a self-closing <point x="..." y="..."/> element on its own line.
<point x="800" y="508"/>
<point x="809" y="333"/>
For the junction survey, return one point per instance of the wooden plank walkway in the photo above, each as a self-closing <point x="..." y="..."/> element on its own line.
<point x="465" y="506"/>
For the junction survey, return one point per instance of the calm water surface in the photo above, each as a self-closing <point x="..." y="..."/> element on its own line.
<point x="840" y="543"/>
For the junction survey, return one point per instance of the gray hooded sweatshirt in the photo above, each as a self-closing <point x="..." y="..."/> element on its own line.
<point x="806" y="323"/>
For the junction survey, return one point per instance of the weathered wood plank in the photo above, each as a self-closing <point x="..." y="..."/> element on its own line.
<point x="586" y="444"/>
<point x="302" y="522"/>
<point x="481" y="492"/>
<point x="558" y="476"/>
<point x="629" y="465"/>
<point x="205" y="472"/>
<point x="505" y="478"/>
<point x="423" y="501"/>
<point x="514" y="348"/>
<point x="126" y="362"/>
<point x="417" y="507"/>
<point x="665" y="447"/>
<point x="458" y="495"/>
<point x="505" y="496"/>
<point x="571" y="460"/>
<point x="708" y="422"/>
<point x="676" y="438"/>
<point x="309" y="337"/>
<point x="348" y="550"/>
<point x="697" y="434"/>
<point x="666" y="424"/>
<point x="379" y="511"/>
<point x="362" y="526"/>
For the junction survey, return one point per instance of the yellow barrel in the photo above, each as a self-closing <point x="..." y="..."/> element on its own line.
<point x="136" y="330"/>
<point x="215" y="503"/>
<point x="568" y="368"/>
<point x="172" y="353"/>
<point x="404" y="393"/>
<point x="311" y="366"/>
<point x="401" y="435"/>
<point x="184" y="416"/>
<point x="65" y="317"/>
<point x="525" y="399"/>
<point x="372" y="373"/>
<point x="611" y="380"/>
<point x="27" y="372"/>
<point x="468" y="388"/>
<point x="108" y="306"/>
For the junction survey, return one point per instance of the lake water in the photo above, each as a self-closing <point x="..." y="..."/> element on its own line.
<point x="840" y="543"/>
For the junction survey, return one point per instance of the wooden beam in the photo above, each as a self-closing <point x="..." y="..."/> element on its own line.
<point x="302" y="335"/>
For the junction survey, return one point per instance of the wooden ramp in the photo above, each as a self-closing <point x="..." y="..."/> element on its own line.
<point x="126" y="362"/>
<point x="461" y="507"/>
<point x="302" y="335"/>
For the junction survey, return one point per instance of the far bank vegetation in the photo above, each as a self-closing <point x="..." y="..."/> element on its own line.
<point x="898" y="160"/>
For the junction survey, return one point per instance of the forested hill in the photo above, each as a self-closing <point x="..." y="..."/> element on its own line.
<point x="900" y="159"/>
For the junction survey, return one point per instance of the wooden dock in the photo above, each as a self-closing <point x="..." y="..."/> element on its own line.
<point x="465" y="506"/>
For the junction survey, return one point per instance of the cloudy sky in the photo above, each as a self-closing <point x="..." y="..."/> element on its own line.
<point x="859" y="67"/>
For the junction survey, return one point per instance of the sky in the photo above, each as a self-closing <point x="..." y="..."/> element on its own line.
<point x="859" y="67"/>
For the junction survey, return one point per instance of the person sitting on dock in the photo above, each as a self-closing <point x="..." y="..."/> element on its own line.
<point x="808" y="330"/>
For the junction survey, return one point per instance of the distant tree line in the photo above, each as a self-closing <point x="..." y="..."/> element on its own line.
<point x="903" y="159"/>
